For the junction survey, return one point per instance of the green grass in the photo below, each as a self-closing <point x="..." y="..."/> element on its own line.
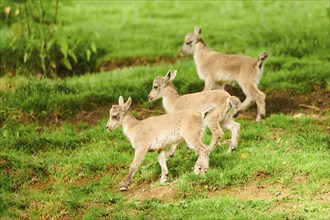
<point x="55" y="164"/>
<point x="141" y="29"/>
<point x="84" y="180"/>
<point x="66" y="97"/>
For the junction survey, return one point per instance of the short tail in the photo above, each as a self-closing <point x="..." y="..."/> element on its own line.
<point x="262" y="59"/>
<point x="208" y="110"/>
<point x="234" y="102"/>
<point x="233" y="108"/>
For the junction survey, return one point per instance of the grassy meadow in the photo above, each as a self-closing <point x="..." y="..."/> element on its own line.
<point x="58" y="162"/>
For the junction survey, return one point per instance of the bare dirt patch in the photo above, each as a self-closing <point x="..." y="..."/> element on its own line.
<point x="287" y="101"/>
<point x="89" y="117"/>
<point x="255" y="191"/>
<point x="135" y="61"/>
<point x="94" y="116"/>
<point x="323" y="198"/>
<point x="283" y="197"/>
<point x="146" y="192"/>
<point x="315" y="105"/>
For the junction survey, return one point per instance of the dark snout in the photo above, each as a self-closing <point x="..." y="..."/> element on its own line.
<point x="108" y="128"/>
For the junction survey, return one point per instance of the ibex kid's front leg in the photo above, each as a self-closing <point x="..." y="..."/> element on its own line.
<point x="138" y="158"/>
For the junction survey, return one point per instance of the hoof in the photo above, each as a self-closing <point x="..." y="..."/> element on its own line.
<point x="169" y="155"/>
<point x="259" y="117"/>
<point x="123" y="188"/>
<point x="203" y="171"/>
<point x="230" y="149"/>
<point x="200" y="170"/>
<point x="163" y="180"/>
<point x="197" y="170"/>
<point x="236" y="114"/>
<point x="163" y="177"/>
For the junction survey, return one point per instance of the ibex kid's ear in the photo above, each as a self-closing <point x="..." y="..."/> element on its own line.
<point x="168" y="76"/>
<point x="197" y="31"/>
<point x="173" y="75"/>
<point x="128" y="103"/>
<point x="121" y="100"/>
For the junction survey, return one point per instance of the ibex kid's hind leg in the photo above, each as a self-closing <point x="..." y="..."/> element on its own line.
<point x="234" y="128"/>
<point x="261" y="105"/>
<point x="253" y="94"/>
<point x="259" y="97"/>
<point x="202" y="163"/>
<point x="249" y="100"/>
<point x="217" y="133"/>
<point x="172" y="150"/>
<point x="192" y="135"/>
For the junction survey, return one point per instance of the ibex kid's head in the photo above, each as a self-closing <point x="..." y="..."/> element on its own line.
<point x="117" y="113"/>
<point x="190" y="41"/>
<point x="159" y="84"/>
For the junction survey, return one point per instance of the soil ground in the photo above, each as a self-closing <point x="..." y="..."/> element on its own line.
<point x="316" y="104"/>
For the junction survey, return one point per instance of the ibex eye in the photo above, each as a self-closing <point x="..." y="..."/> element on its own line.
<point x="114" y="117"/>
<point x="155" y="87"/>
<point x="188" y="42"/>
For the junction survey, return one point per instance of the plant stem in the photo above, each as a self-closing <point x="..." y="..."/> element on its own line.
<point x="42" y="12"/>
<point x="56" y="11"/>
<point x="27" y="19"/>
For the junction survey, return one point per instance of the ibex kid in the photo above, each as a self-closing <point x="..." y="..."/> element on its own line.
<point x="218" y="69"/>
<point x="226" y="107"/>
<point x="155" y="133"/>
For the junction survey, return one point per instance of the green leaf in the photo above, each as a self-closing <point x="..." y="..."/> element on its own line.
<point x="76" y="44"/>
<point x="5" y="133"/>
<point x="42" y="57"/>
<point x="66" y="63"/>
<point x="16" y="29"/>
<point x="93" y="47"/>
<point x="73" y="55"/>
<point x="64" y="48"/>
<point x="26" y="55"/>
<point x="53" y="64"/>
<point x="49" y="44"/>
<point x="43" y="65"/>
<point x="97" y="35"/>
<point x="42" y="47"/>
<point x="88" y="54"/>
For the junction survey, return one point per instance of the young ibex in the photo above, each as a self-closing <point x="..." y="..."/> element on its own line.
<point x="218" y="69"/>
<point x="226" y="107"/>
<point x="155" y="133"/>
